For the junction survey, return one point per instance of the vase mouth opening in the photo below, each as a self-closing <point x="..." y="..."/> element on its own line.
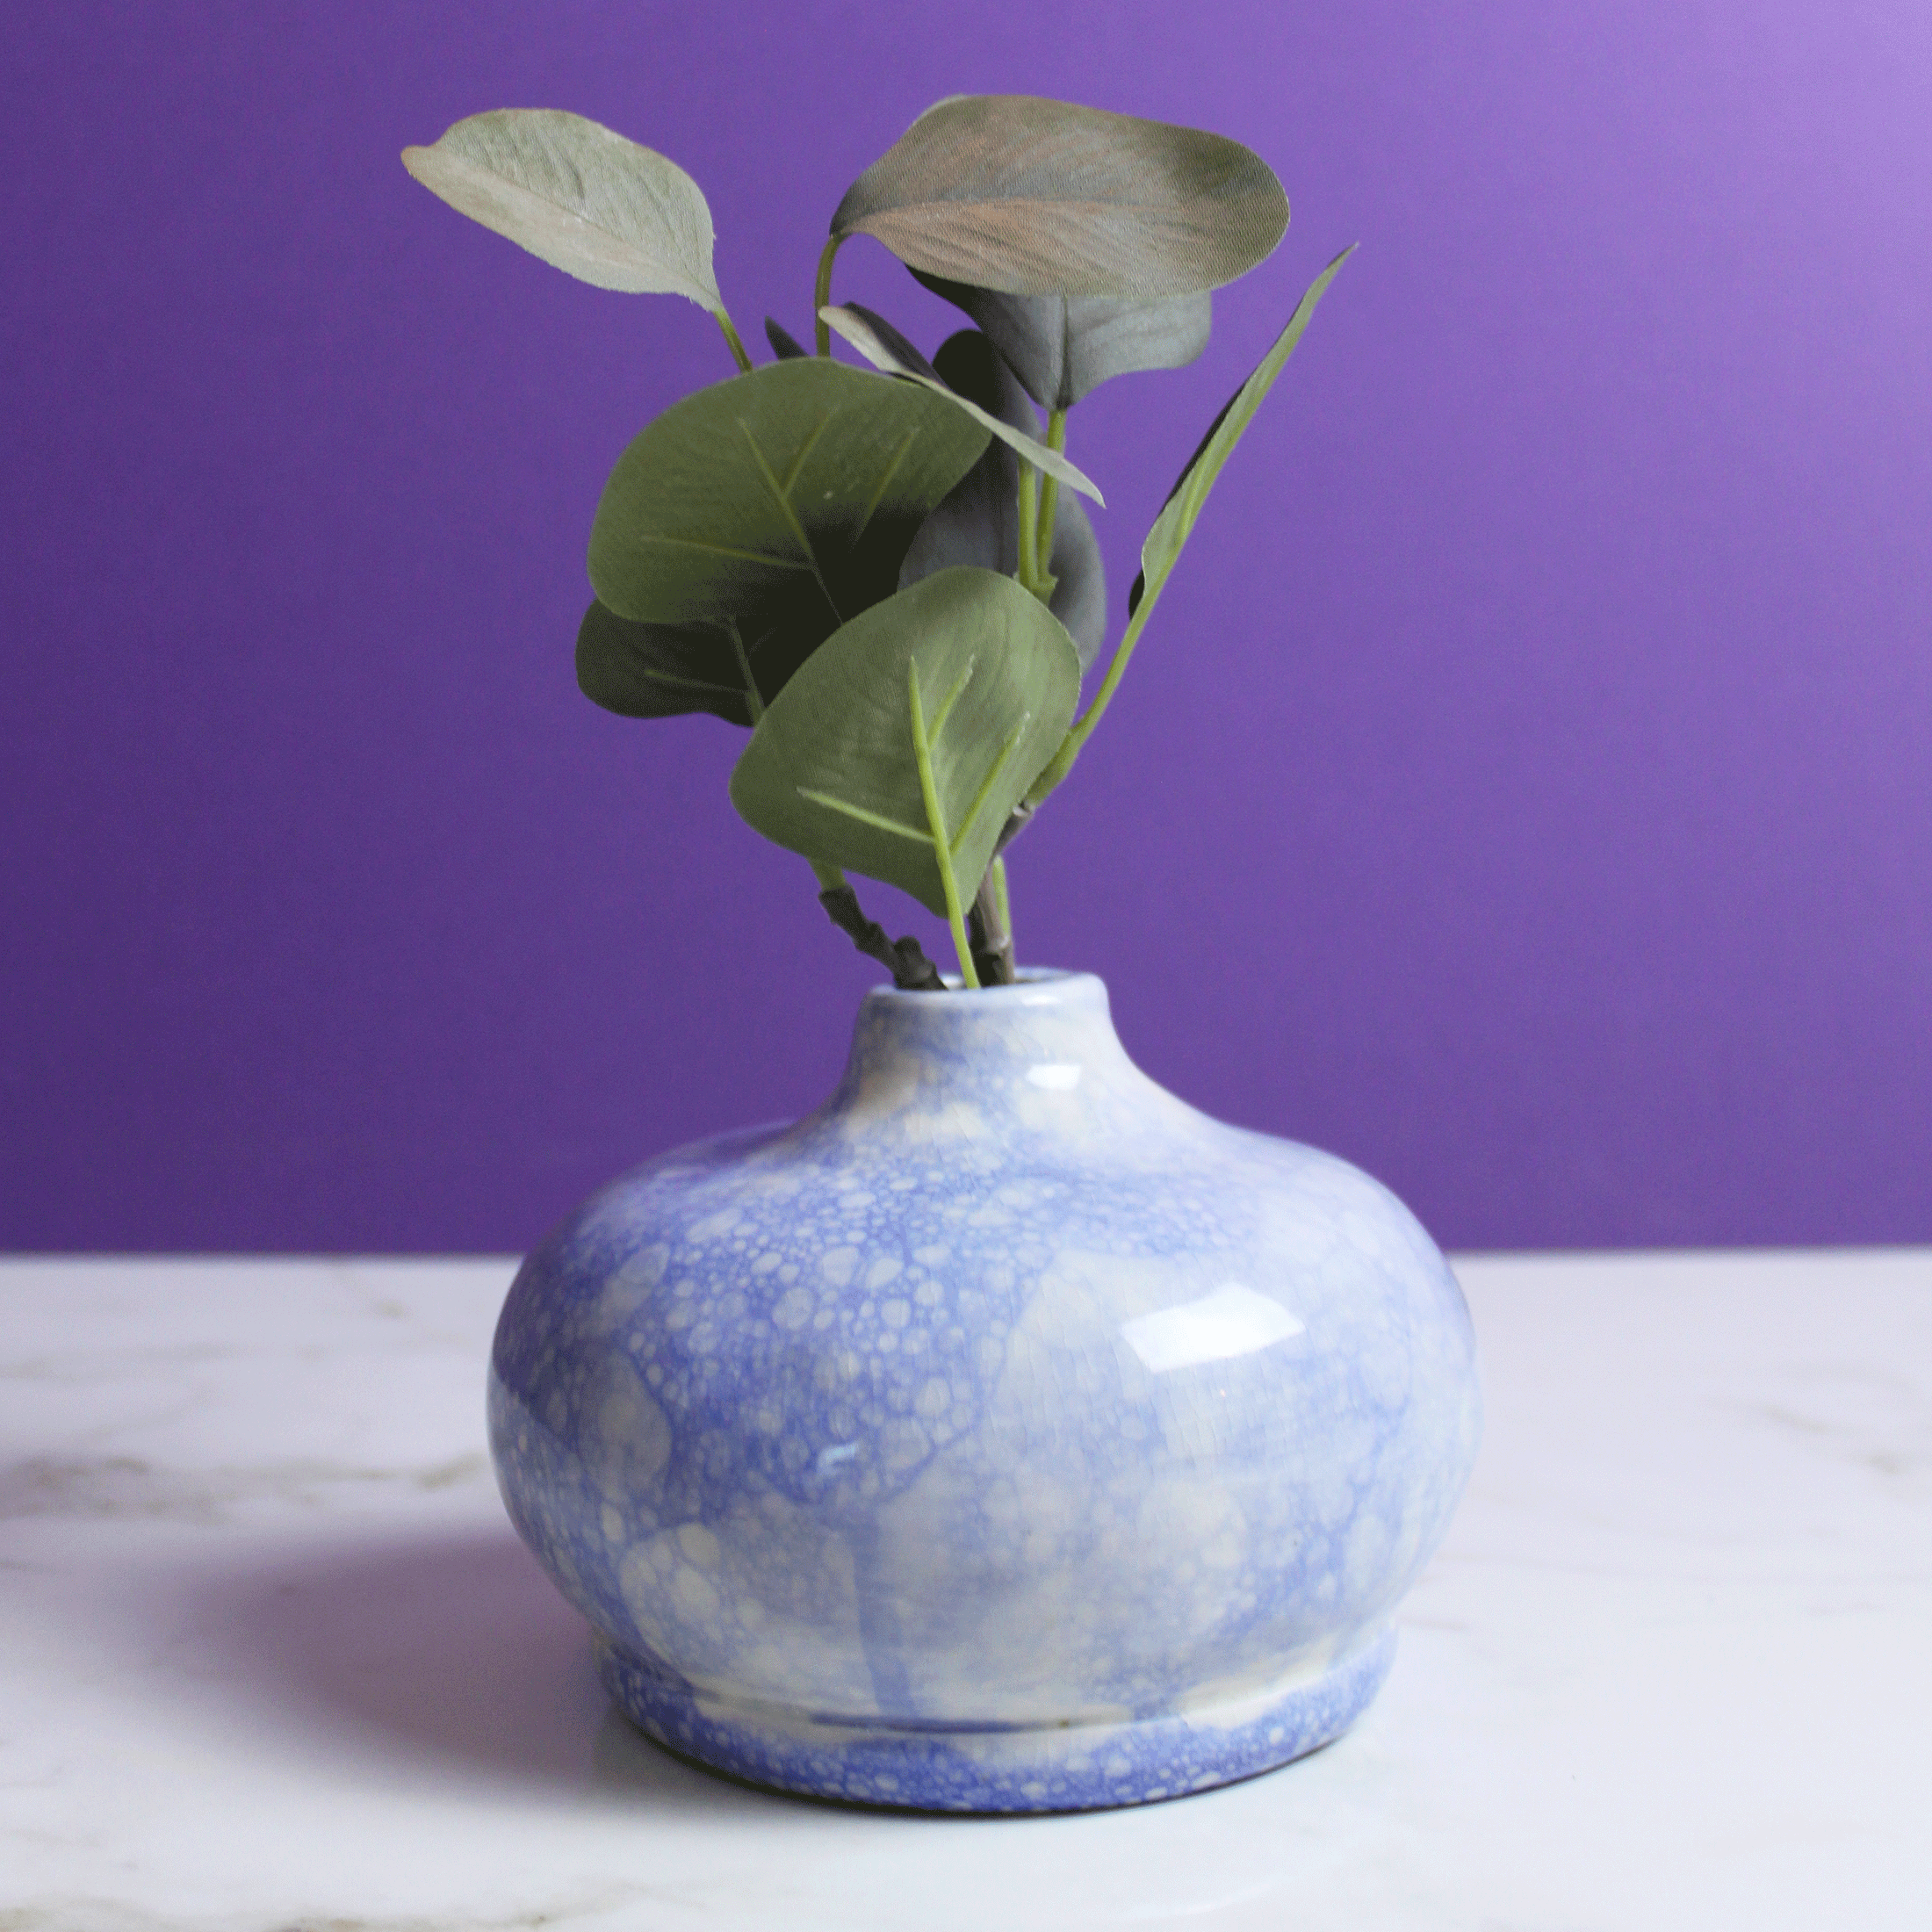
<point x="1032" y="986"/>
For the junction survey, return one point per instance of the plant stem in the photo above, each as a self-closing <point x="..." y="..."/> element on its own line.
<point x="988" y="930"/>
<point x="821" y="294"/>
<point x="1082" y="728"/>
<point x="999" y="874"/>
<point x="904" y="958"/>
<point x="1029" y="530"/>
<point x="1049" y="497"/>
<point x="731" y="336"/>
<point x="936" y="821"/>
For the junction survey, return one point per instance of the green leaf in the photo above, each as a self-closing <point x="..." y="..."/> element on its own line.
<point x="655" y="670"/>
<point x="1176" y="522"/>
<point x="978" y="523"/>
<point x="1178" y="514"/>
<point x="1063" y="347"/>
<point x="780" y="502"/>
<point x="900" y="748"/>
<point x="579" y="197"/>
<point x="862" y="328"/>
<point x="1042" y="197"/>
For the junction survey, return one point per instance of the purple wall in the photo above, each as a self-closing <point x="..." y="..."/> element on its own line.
<point x="1524" y="790"/>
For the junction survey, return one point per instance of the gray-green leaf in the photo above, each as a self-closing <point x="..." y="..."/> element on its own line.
<point x="978" y="523"/>
<point x="579" y="197"/>
<point x="883" y="345"/>
<point x="657" y="670"/>
<point x="967" y="667"/>
<point x="1042" y="197"/>
<point x="859" y="328"/>
<point x="1063" y="347"/>
<point x="1176" y="522"/>
<point x="781" y="502"/>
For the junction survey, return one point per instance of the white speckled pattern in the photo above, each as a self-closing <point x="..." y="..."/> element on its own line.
<point x="1006" y="1435"/>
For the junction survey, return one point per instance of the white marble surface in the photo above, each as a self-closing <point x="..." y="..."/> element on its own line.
<point x="271" y="1659"/>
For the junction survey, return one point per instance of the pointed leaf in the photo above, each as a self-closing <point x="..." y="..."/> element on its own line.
<point x="978" y="523"/>
<point x="1042" y="197"/>
<point x="968" y="658"/>
<point x="579" y="197"/>
<point x="1063" y="347"/>
<point x="781" y="502"/>
<point x="857" y="327"/>
<point x="1176" y="522"/>
<point x="902" y="356"/>
<point x="782" y="345"/>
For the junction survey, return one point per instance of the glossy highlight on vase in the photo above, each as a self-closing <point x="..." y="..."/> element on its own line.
<point x="1003" y="1435"/>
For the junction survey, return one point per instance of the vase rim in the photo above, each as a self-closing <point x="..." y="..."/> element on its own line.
<point x="1032" y="986"/>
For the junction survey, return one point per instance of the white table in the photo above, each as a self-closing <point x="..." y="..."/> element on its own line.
<point x="271" y="1657"/>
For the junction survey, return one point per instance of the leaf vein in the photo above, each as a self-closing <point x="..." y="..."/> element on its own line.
<point x="804" y="451"/>
<point x="877" y="820"/>
<point x="938" y="721"/>
<point x="779" y="496"/>
<point x="885" y="483"/>
<point x="991" y="778"/>
<point x="689" y="684"/>
<point x="725" y="550"/>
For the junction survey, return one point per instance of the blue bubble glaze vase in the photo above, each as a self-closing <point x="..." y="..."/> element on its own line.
<point x="1006" y="1436"/>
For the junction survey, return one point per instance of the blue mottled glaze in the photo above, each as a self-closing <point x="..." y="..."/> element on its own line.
<point x="1005" y="1436"/>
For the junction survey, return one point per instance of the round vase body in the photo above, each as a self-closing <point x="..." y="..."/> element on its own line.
<point x="1005" y="1436"/>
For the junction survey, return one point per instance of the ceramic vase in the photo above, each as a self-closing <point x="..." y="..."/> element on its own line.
<point x="1005" y="1436"/>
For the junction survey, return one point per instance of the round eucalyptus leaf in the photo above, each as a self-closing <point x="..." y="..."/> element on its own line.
<point x="660" y="670"/>
<point x="579" y="197"/>
<point x="1063" y="347"/>
<point x="900" y="748"/>
<point x="886" y="349"/>
<point x="1035" y="197"/>
<point x="779" y="502"/>
<point x="978" y="523"/>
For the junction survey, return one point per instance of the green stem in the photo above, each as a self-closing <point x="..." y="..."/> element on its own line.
<point x="1049" y="497"/>
<point x="987" y="935"/>
<point x="999" y="895"/>
<point x="821" y="294"/>
<point x="731" y="336"/>
<point x="1082" y="729"/>
<point x="956" y="913"/>
<point x="1029" y="529"/>
<point x="830" y="877"/>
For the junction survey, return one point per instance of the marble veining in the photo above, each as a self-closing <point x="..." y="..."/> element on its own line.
<point x="1006" y="1435"/>
<point x="122" y="1488"/>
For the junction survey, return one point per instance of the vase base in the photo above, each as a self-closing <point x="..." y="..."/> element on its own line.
<point x="1016" y="1768"/>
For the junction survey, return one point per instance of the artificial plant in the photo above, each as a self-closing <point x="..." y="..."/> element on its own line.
<point x="885" y="573"/>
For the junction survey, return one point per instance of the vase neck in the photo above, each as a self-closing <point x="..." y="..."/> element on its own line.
<point x="1049" y="1034"/>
